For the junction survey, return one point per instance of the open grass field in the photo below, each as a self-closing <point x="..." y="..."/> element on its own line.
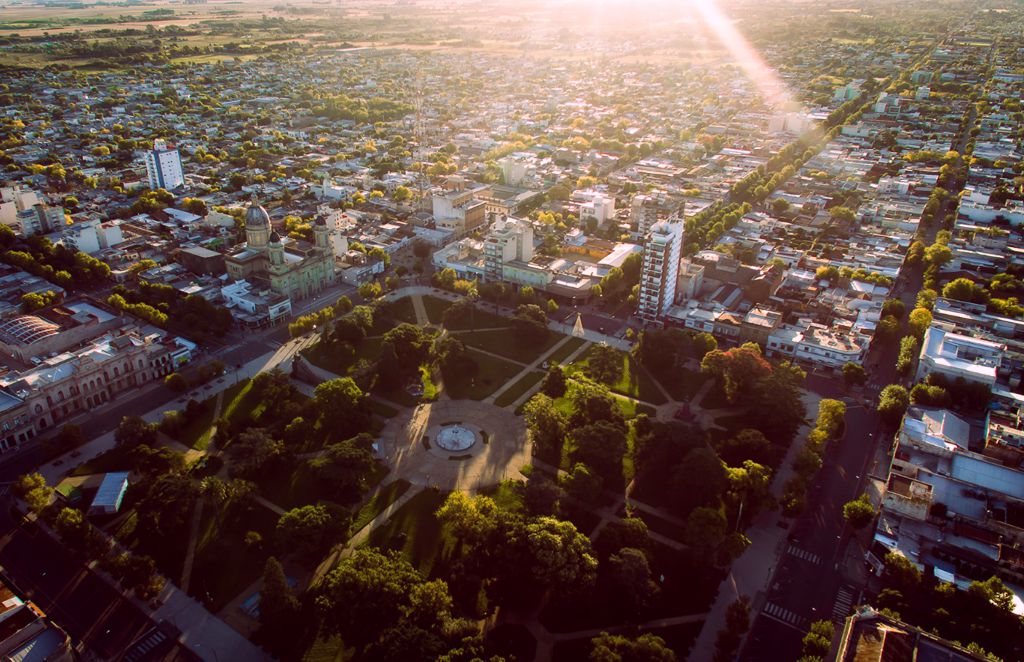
<point x="224" y="565"/>
<point x="634" y="381"/>
<point x="492" y="373"/>
<point x="504" y="343"/>
<point x="387" y="495"/>
<point x="415" y="532"/>
<point x="516" y="390"/>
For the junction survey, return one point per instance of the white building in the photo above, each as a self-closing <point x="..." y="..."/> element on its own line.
<point x="596" y="205"/>
<point x="92" y="236"/>
<point x="254" y="308"/>
<point x="163" y="167"/>
<point x="14" y="199"/>
<point x="955" y="355"/>
<point x="660" y="269"/>
<point x="508" y="239"/>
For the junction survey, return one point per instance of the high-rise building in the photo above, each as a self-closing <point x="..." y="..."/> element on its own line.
<point x="660" y="270"/>
<point x="509" y="239"/>
<point x="643" y="213"/>
<point x="163" y="167"/>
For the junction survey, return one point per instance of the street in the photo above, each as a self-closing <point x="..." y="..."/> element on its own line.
<point x="87" y="607"/>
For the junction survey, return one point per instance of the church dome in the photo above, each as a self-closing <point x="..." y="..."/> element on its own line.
<point x="321" y="220"/>
<point x="256" y="215"/>
<point x="274" y="237"/>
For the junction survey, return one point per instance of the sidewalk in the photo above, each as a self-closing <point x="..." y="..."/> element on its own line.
<point x="751" y="573"/>
<point x="56" y="470"/>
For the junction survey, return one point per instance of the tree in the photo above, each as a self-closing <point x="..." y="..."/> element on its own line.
<point x="705" y="529"/>
<point x="559" y="555"/>
<point x="469" y="519"/>
<point x="965" y="289"/>
<point x="920" y="320"/>
<point x="894" y="307"/>
<point x="176" y="382"/>
<point x="747" y="444"/>
<point x="252" y="452"/>
<point x="699" y="479"/>
<point x="779" y="206"/>
<point x="70" y="436"/>
<point x="892" y="403"/>
<point x="33" y="490"/>
<point x="370" y="290"/>
<point x="901" y="572"/>
<point x="554" y="384"/>
<point x="582" y="483"/>
<point x="369" y="592"/>
<point x="887" y="329"/>
<point x="277" y="599"/>
<point x="909" y="350"/>
<point x="546" y="424"/>
<point x="844" y="214"/>
<point x="859" y="512"/>
<point x="345" y="466"/>
<point x="854" y="374"/>
<point x="630" y="575"/>
<point x="341" y="408"/>
<point x="604" y="363"/>
<point x="738" y="368"/>
<point x="530" y="324"/>
<point x="412" y="345"/>
<point x="343" y="305"/>
<point x="818" y="641"/>
<point x="452" y="357"/>
<point x="308" y="529"/>
<point x="737" y="622"/>
<point x="619" y="648"/>
<point x="133" y="431"/>
<point x="992" y="591"/>
<point x="600" y="445"/>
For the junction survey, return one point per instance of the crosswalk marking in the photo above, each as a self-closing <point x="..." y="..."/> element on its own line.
<point x="793" y="550"/>
<point x="784" y="615"/>
<point x="142" y="648"/>
<point x="843" y="604"/>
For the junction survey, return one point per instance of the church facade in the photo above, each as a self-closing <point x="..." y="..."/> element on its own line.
<point x="293" y="268"/>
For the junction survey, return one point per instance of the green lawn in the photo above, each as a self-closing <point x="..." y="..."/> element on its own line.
<point x="514" y="392"/>
<point x="492" y="373"/>
<point x="196" y="434"/>
<point x="505" y="343"/>
<point x="435" y="308"/>
<point x="292" y="487"/>
<point x="224" y="565"/>
<point x="566" y="350"/>
<point x="629" y="408"/>
<point x="241" y="403"/>
<point x="403" y="311"/>
<point x="415" y="532"/>
<point x="116" y="459"/>
<point x="388" y="494"/>
<point x="480" y="319"/>
<point x="339" y="358"/>
<point x="635" y="381"/>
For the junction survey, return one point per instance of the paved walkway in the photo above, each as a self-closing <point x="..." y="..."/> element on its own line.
<point x="534" y="365"/>
<point x="751" y="572"/>
<point x="359" y="537"/>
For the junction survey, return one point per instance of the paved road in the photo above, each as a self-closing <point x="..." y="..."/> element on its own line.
<point x="86" y="606"/>
<point x="809" y="577"/>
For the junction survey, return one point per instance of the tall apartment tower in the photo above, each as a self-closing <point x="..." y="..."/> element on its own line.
<point x="508" y="239"/>
<point x="662" y="250"/>
<point x="643" y="213"/>
<point x="163" y="167"/>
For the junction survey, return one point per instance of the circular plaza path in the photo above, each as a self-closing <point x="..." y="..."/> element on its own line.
<point x="501" y="448"/>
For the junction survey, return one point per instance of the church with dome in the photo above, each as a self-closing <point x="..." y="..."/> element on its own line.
<point x="294" y="268"/>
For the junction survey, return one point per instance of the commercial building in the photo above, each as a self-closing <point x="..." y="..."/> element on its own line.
<point x="660" y="270"/>
<point x="26" y="633"/>
<point x="509" y="239"/>
<point x="869" y="636"/>
<point x="163" y="167"/>
<point x="55" y="329"/>
<point x="955" y="356"/>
